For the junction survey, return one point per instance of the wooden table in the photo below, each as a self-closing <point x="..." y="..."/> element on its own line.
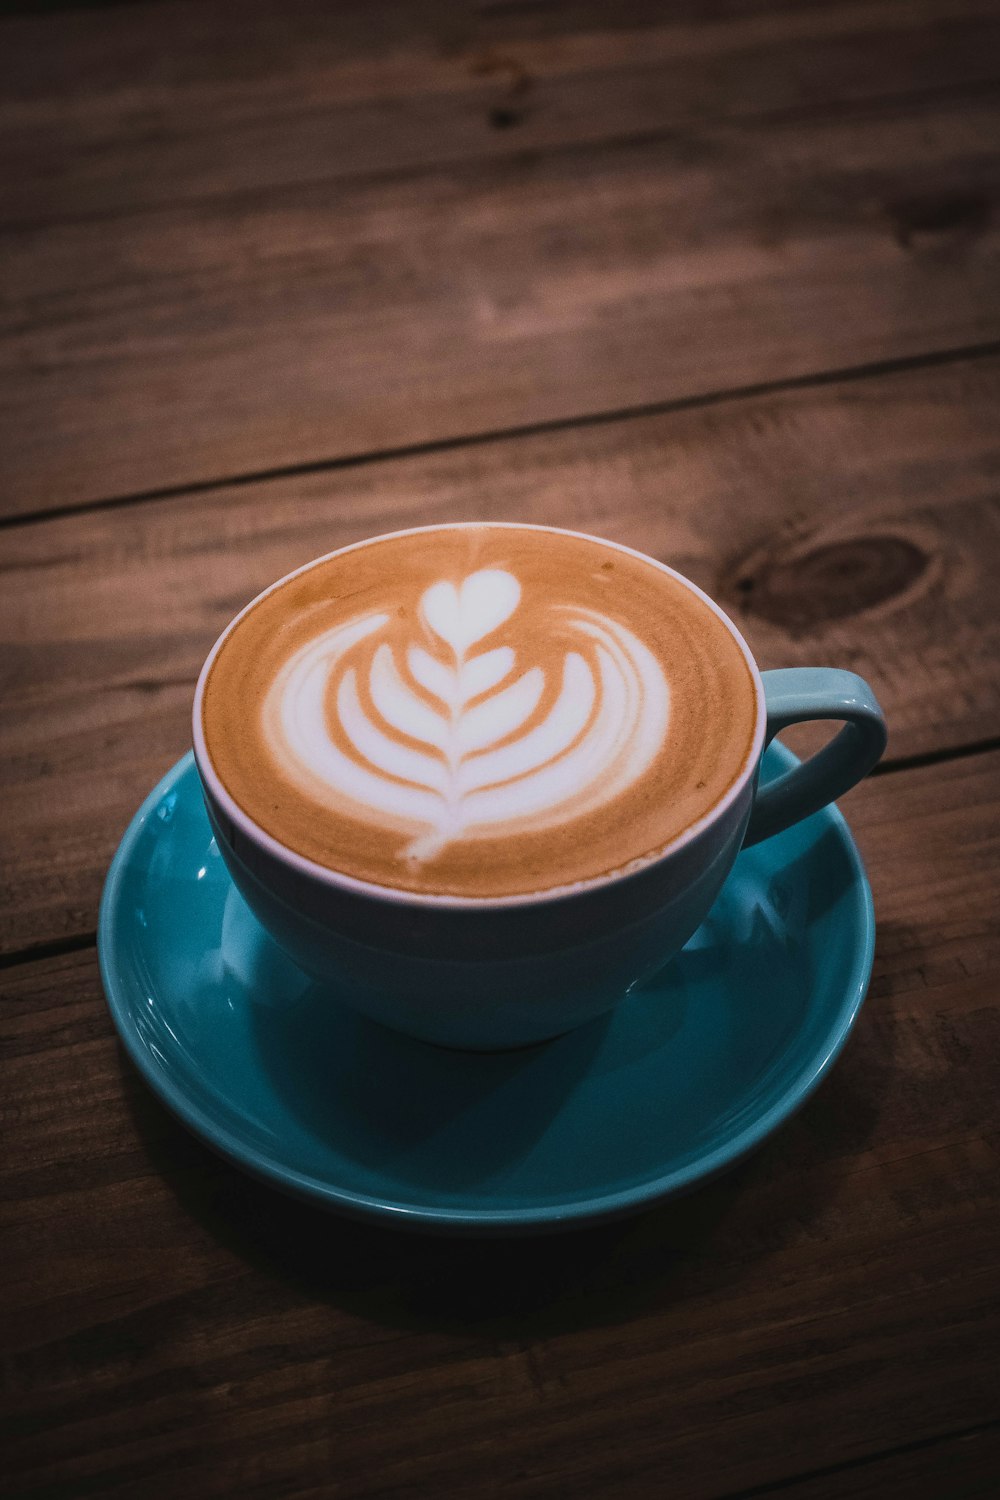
<point x="718" y="280"/>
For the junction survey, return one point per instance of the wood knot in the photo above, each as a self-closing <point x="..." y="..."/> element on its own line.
<point x="502" y="117"/>
<point x="516" y="81"/>
<point x="939" y="217"/>
<point x="830" y="581"/>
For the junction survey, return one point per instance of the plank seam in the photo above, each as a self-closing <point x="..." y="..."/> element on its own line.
<point x="935" y="757"/>
<point x="899" y="364"/>
<point x="772" y="1487"/>
<point x="54" y="948"/>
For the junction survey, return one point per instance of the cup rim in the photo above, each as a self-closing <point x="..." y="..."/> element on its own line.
<point x="340" y="881"/>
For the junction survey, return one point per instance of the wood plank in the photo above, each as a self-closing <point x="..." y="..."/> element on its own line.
<point x="854" y="524"/>
<point x="242" y="335"/>
<point x="963" y="1468"/>
<point x="171" y="102"/>
<point x="165" y="1316"/>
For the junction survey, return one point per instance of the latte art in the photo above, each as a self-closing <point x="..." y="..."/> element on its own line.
<point x="478" y="710"/>
<point x="451" y="741"/>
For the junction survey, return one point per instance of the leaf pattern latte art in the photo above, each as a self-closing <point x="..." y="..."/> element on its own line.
<point x="455" y="740"/>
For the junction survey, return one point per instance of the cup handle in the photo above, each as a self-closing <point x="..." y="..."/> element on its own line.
<point x="792" y="696"/>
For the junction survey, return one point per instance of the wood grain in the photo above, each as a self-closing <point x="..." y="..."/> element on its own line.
<point x="240" y="335"/>
<point x="718" y="279"/>
<point x="831" y="1301"/>
<point x="172" y="103"/>
<point x="962" y="1468"/>
<point x="871" y="504"/>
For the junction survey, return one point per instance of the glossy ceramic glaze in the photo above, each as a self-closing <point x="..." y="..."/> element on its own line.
<point x="677" y="1083"/>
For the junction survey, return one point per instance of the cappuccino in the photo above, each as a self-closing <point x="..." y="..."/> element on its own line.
<point x="482" y="710"/>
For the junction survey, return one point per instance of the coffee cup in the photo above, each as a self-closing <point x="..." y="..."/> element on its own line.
<point x="483" y="779"/>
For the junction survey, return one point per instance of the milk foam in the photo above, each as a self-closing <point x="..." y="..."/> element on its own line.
<point x="446" y="743"/>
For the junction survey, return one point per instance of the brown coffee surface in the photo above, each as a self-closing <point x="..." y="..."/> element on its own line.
<point x="479" y="710"/>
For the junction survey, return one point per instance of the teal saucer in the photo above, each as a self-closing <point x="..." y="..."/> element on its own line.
<point x="681" y="1080"/>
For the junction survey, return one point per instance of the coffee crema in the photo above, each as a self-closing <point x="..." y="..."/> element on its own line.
<point x="479" y="710"/>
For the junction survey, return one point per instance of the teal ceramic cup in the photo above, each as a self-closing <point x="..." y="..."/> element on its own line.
<point x="495" y="973"/>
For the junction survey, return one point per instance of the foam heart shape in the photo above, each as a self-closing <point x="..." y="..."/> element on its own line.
<point x="461" y="616"/>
